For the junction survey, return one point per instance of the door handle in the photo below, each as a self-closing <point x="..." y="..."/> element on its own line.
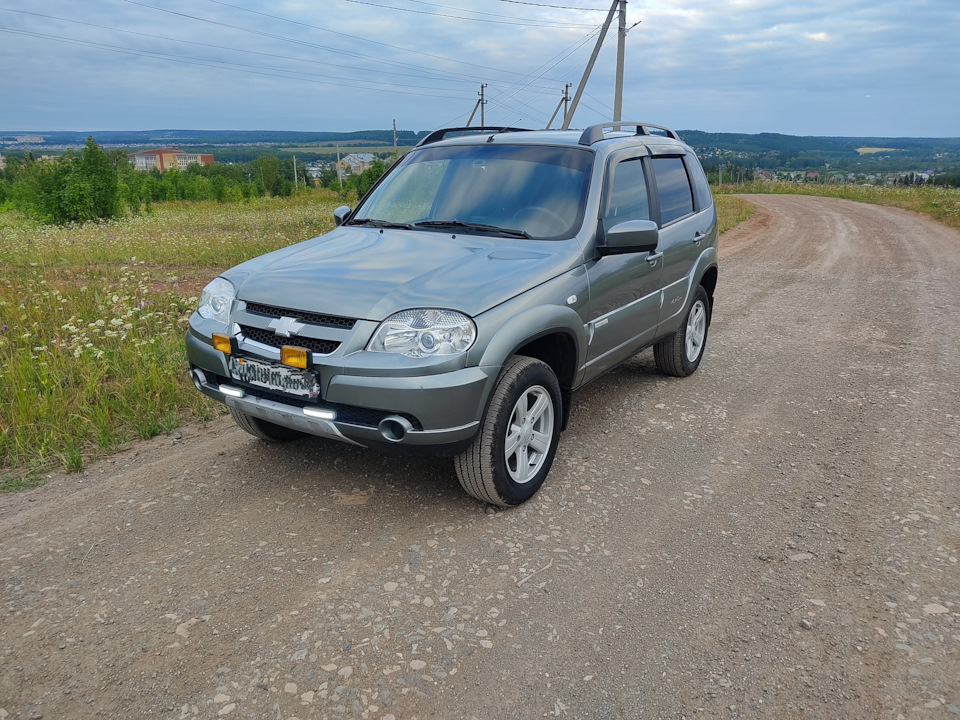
<point x="698" y="237"/>
<point x="653" y="257"/>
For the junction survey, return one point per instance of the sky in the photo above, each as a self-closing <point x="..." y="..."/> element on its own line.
<point x="860" y="68"/>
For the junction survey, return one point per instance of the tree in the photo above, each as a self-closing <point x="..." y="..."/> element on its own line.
<point x="369" y="177"/>
<point x="71" y="188"/>
<point x="96" y="170"/>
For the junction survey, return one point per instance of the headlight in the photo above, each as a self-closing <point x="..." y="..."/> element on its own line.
<point x="424" y="333"/>
<point x="216" y="300"/>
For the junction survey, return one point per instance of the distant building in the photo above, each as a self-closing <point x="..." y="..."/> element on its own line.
<point x="166" y="158"/>
<point x="354" y="163"/>
<point x="33" y="139"/>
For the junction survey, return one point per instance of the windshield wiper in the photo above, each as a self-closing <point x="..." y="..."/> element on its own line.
<point x="373" y="222"/>
<point x="480" y="227"/>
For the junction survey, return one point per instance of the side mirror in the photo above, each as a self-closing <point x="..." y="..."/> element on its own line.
<point x="632" y="236"/>
<point x="341" y="214"/>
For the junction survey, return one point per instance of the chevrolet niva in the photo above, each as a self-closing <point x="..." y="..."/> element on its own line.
<point x="487" y="275"/>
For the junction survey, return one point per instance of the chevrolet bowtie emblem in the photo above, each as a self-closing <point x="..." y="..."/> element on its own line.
<point x="286" y="326"/>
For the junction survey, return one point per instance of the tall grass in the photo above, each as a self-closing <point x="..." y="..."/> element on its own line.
<point x="92" y="320"/>
<point x="731" y="211"/>
<point x="936" y="202"/>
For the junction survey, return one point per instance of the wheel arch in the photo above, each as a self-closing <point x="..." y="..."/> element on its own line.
<point x="558" y="350"/>
<point x="552" y="334"/>
<point x="709" y="283"/>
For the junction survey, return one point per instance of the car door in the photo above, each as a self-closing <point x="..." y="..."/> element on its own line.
<point x="682" y="233"/>
<point x="624" y="289"/>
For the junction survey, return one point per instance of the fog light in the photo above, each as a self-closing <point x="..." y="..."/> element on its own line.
<point x="221" y="342"/>
<point x="294" y="356"/>
<point x="232" y="391"/>
<point x="320" y="413"/>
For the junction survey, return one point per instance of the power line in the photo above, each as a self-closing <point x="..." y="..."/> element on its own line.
<point x="438" y="74"/>
<point x="461" y="17"/>
<point x="475" y="12"/>
<point x="579" y="44"/>
<point x="563" y="54"/>
<point x="553" y="7"/>
<point x="281" y="37"/>
<point x="234" y="67"/>
<point x="363" y="39"/>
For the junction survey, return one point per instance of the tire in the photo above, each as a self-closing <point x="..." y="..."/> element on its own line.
<point x="680" y="354"/>
<point x="526" y="410"/>
<point x="263" y="430"/>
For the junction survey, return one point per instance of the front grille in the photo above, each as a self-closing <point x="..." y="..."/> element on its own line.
<point x="268" y="337"/>
<point x="315" y="318"/>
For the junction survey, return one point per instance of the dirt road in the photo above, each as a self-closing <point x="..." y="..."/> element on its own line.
<point x="776" y="536"/>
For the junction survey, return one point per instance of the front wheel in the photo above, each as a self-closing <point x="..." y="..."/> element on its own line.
<point x="511" y="456"/>
<point x="680" y="354"/>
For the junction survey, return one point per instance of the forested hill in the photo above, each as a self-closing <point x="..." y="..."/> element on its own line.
<point x="737" y="142"/>
<point x="773" y="150"/>
<point x="212" y="138"/>
<point x="769" y="151"/>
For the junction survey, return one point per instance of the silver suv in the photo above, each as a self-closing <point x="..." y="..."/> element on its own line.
<point x="487" y="275"/>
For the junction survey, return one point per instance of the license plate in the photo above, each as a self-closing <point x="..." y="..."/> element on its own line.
<point x="275" y="377"/>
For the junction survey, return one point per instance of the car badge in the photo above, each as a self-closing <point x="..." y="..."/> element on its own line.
<point x="286" y="326"/>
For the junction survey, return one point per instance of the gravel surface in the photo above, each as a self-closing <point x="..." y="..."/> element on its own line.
<point x="776" y="536"/>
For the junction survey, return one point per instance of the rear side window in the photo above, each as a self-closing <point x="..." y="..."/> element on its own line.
<point x="701" y="187"/>
<point x="628" y="195"/>
<point x="673" y="185"/>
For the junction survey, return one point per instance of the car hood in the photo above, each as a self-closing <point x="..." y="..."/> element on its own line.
<point x="366" y="273"/>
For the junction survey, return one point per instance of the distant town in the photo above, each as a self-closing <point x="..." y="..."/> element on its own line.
<point x="321" y="156"/>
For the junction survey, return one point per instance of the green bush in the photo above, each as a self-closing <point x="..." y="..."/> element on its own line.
<point x="72" y="188"/>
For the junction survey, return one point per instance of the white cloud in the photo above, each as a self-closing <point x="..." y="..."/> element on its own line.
<point x="734" y="65"/>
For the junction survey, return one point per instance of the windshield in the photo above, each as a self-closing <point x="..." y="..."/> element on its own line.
<point x="526" y="191"/>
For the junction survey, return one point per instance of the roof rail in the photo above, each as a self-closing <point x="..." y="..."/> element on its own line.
<point x="594" y="133"/>
<point x="438" y="135"/>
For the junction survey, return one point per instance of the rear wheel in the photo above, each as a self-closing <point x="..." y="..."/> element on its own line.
<point x="511" y="456"/>
<point x="680" y="354"/>
<point x="266" y="431"/>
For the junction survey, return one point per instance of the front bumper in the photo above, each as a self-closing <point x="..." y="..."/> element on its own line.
<point x="437" y="413"/>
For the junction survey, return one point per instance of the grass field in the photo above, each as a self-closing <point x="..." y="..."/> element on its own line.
<point x="92" y="321"/>
<point x="92" y="318"/>
<point x="936" y="202"/>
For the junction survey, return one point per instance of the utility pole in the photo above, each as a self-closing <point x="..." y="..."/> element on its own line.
<point x="295" y="182"/>
<point x="339" y="171"/>
<point x="479" y="104"/>
<point x="593" y="58"/>
<point x="564" y="102"/>
<point x="483" y="122"/>
<point x="621" y="41"/>
<point x="394" y="136"/>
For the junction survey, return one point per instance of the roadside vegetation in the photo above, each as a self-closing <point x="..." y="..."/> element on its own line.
<point x="938" y="202"/>
<point x="92" y="315"/>
<point x="93" y="184"/>
<point x="92" y="319"/>
<point x="731" y="211"/>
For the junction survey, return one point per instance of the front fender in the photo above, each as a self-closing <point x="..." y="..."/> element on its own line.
<point x="518" y="330"/>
